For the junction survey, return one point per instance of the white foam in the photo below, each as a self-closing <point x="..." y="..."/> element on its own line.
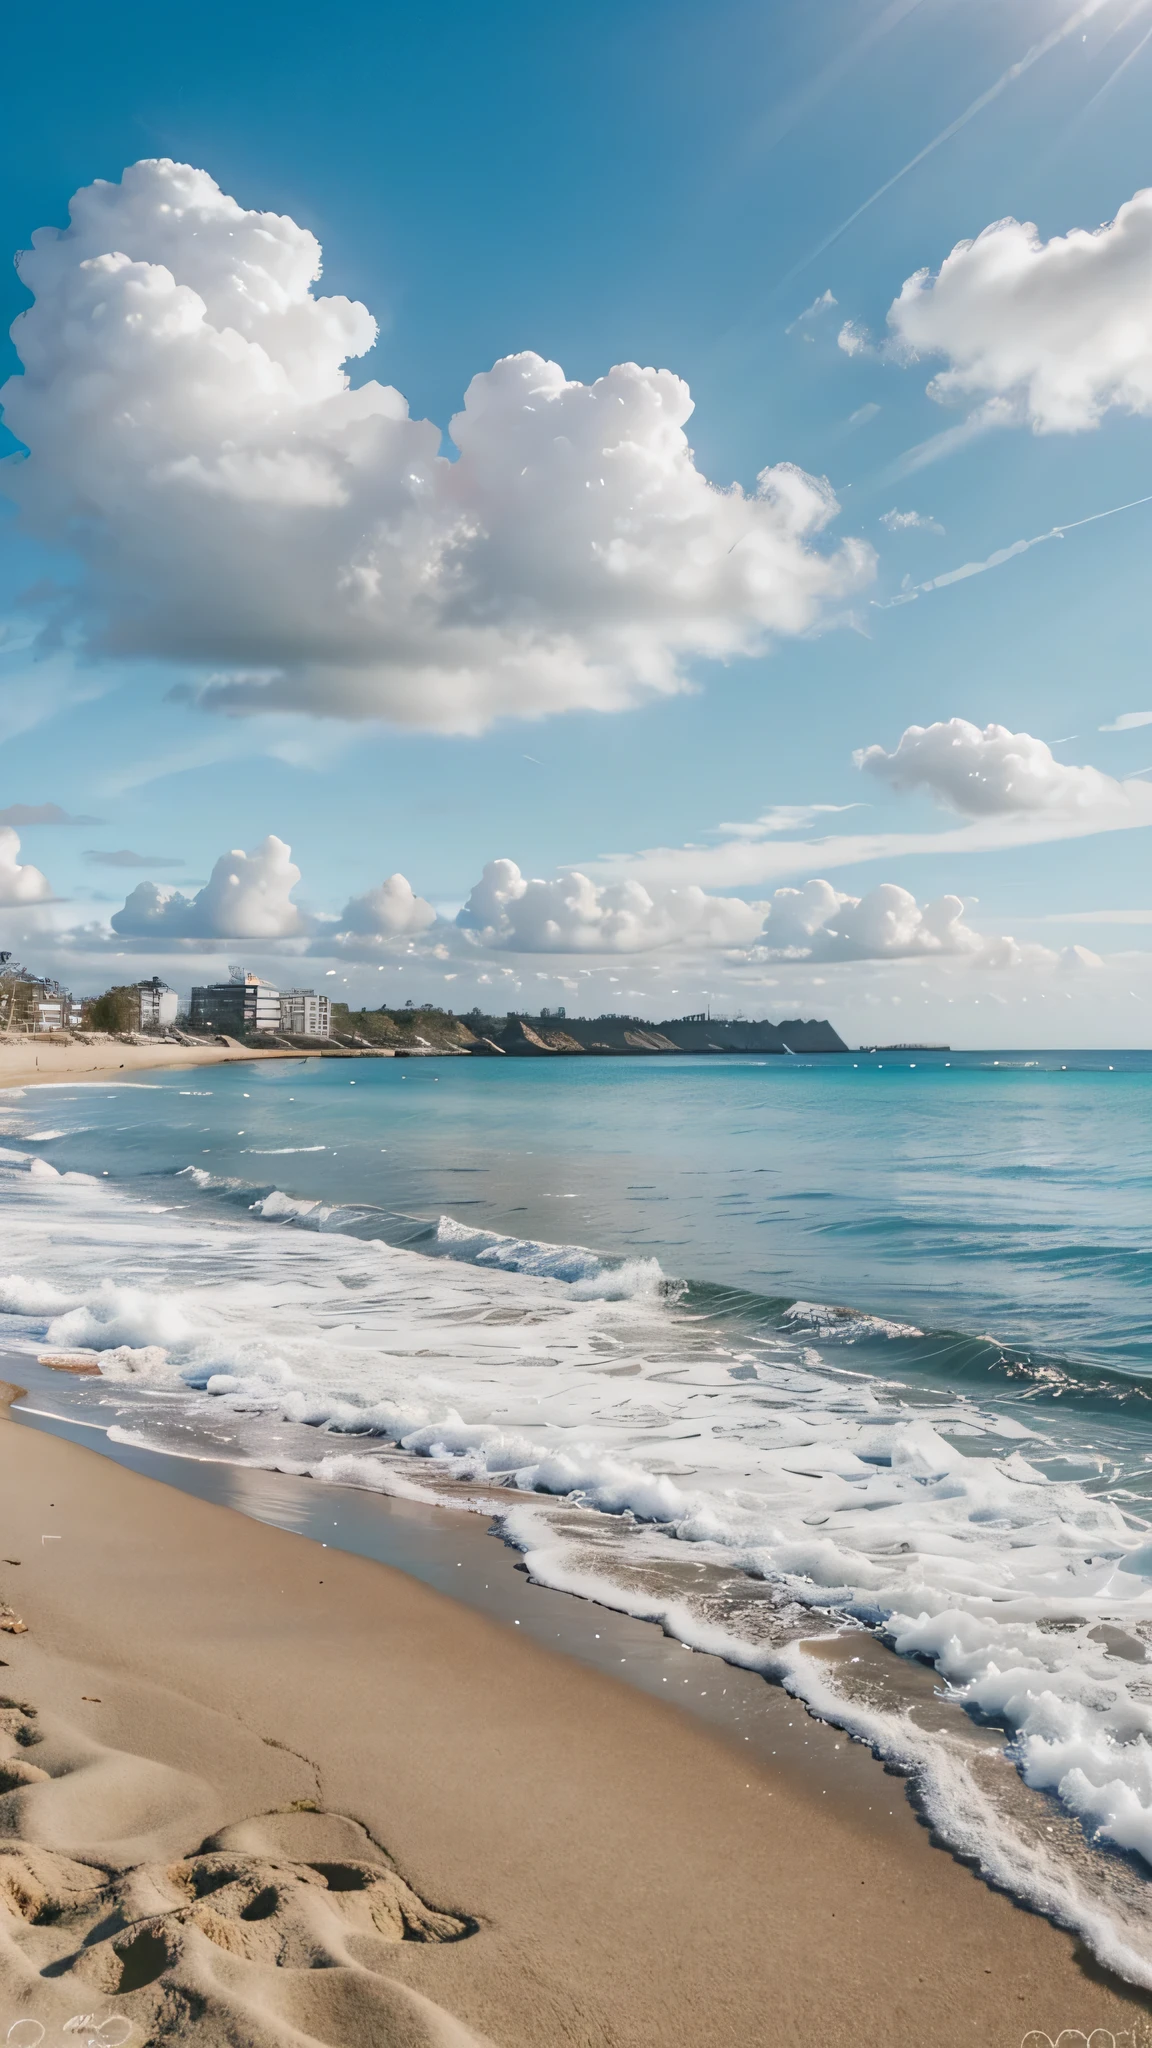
<point x="589" y="1276"/>
<point x="149" y="1363"/>
<point x="845" y="1325"/>
<point x="20" y="1297"/>
<point x="512" y="1363"/>
<point x="281" y="1208"/>
<point x="201" y="1178"/>
<point x="113" y="1316"/>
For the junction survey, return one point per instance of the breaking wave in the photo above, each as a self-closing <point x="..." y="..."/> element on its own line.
<point x="803" y="1462"/>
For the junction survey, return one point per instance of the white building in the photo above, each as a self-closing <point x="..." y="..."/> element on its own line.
<point x="158" y="1004"/>
<point x="56" y="1013"/>
<point x="305" y="1014"/>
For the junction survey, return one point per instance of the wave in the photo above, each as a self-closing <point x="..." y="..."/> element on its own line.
<point x="846" y="1325"/>
<point x="816" y="1495"/>
<point x="589" y="1275"/>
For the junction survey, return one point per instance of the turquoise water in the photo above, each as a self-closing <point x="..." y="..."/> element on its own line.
<point x="1005" y="1195"/>
<point x="758" y="1349"/>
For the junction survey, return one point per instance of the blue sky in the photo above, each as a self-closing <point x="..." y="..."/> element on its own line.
<point x="641" y="184"/>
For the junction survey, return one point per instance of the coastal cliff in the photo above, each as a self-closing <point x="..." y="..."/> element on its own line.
<point x="426" y="1031"/>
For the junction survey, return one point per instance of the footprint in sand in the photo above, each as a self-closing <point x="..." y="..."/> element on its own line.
<point x="276" y="1930"/>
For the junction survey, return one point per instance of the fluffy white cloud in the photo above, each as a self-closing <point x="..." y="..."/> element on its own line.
<point x="390" y="910"/>
<point x="910" y="522"/>
<point x="193" y="434"/>
<point x="1060" y="329"/>
<point x="820" y="923"/>
<point x="991" y="772"/>
<point x="854" y="339"/>
<point x="572" y="914"/>
<point x="247" y="896"/>
<point x="19" y="884"/>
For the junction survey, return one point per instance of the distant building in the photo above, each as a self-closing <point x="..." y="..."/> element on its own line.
<point x="236" y="1007"/>
<point x="305" y="1014"/>
<point x="54" y="1009"/>
<point x="33" y="1002"/>
<point x="159" y="1004"/>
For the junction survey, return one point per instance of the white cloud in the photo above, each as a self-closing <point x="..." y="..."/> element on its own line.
<point x="247" y="896"/>
<point x="572" y="914"/>
<point x="193" y="435"/>
<point x="910" y="522"/>
<point x="817" y="923"/>
<point x="855" y="340"/>
<point x="1128" y="721"/>
<point x="1046" y="802"/>
<point x="821" y="923"/>
<point x="986" y="773"/>
<point x="390" y="910"/>
<point x="1060" y="329"/>
<point x="19" y="884"/>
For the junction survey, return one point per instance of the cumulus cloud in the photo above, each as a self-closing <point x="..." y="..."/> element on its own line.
<point x="1061" y="330"/>
<point x="820" y="923"/>
<point x="247" y="896"/>
<point x="816" y="923"/>
<point x="390" y="910"/>
<point x="193" y="435"/>
<point x="573" y="914"/>
<point x="991" y="772"/>
<point x="909" y="522"/>
<point x="19" y="884"/>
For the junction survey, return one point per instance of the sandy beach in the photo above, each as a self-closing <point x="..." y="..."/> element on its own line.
<point x="259" y="1790"/>
<point x="26" y="1061"/>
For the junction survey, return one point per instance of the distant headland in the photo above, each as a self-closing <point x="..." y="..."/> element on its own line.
<point x="553" y="1034"/>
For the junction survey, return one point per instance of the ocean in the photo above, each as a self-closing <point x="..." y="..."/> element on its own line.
<point x="840" y="1368"/>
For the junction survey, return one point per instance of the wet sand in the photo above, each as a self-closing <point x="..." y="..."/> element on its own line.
<point x="567" y="1860"/>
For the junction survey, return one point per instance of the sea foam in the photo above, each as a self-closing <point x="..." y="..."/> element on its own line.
<point x="658" y="1443"/>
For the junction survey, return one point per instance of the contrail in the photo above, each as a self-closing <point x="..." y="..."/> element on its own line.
<point x="1002" y="555"/>
<point x="985" y="99"/>
<point x="783" y="119"/>
<point x="1110" y="81"/>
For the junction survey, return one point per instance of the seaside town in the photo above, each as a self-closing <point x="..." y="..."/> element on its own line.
<point x="246" y="1010"/>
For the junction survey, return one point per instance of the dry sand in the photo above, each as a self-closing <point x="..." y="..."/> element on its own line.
<point x="25" y="1061"/>
<point x="262" y="1792"/>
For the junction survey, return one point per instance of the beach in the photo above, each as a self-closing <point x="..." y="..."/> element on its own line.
<point x="263" y="1789"/>
<point x="24" y="1062"/>
<point x="594" y="1868"/>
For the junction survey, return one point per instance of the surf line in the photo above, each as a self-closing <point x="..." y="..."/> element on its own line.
<point x="1001" y="555"/>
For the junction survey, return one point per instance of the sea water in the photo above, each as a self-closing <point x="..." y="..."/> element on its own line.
<point x="798" y="1358"/>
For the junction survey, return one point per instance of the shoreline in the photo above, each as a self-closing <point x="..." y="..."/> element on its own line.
<point x="42" y="1061"/>
<point x="636" y="1879"/>
<point x="460" y="1552"/>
